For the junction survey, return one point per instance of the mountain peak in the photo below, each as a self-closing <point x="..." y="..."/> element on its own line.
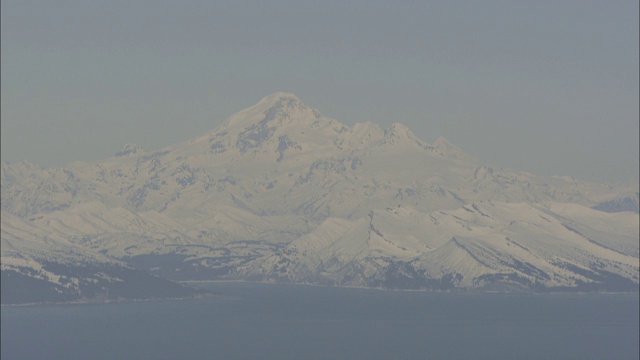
<point x="276" y="105"/>
<point x="277" y="120"/>
<point x="278" y="97"/>
<point x="399" y="133"/>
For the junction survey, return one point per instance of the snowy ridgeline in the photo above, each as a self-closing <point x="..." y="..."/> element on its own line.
<point x="281" y="193"/>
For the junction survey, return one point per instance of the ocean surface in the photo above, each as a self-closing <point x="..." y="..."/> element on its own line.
<point x="265" y="321"/>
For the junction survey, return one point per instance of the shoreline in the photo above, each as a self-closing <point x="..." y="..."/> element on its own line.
<point x="210" y="294"/>
<point x="111" y="301"/>
<point x="453" y="291"/>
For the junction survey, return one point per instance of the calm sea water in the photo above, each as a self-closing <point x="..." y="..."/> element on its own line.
<point x="261" y="321"/>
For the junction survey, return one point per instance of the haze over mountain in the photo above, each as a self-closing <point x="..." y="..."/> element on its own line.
<point x="279" y="192"/>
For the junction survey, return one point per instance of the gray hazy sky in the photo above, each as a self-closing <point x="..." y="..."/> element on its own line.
<point x="549" y="87"/>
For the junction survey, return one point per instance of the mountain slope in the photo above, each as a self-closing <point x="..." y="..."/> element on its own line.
<point x="41" y="266"/>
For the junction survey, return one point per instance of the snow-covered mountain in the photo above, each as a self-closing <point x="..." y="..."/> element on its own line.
<point x="42" y="266"/>
<point x="279" y="192"/>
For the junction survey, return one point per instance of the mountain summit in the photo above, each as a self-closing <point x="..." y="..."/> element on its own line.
<point x="271" y="107"/>
<point x="278" y="97"/>
<point x="279" y="192"/>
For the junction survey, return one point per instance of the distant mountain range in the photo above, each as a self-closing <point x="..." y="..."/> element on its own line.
<point x="280" y="193"/>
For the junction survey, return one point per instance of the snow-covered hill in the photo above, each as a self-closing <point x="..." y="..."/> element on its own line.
<point x="279" y="192"/>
